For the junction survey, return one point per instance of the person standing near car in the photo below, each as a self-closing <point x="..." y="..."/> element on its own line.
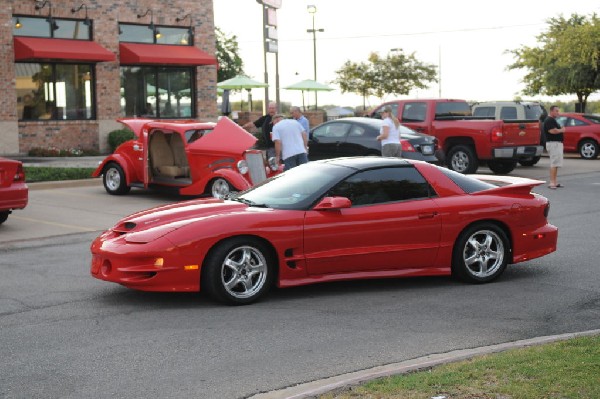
<point x="554" y="144"/>
<point x="291" y="142"/>
<point x="265" y="123"/>
<point x="297" y="115"/>
<point x="389" y="135"/>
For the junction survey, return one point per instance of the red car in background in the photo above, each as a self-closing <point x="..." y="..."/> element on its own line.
<point x="331" y="220"/>
<point x="582" y="133"/>
<point x="194" y="157"/>
<point x="14" y="193"/>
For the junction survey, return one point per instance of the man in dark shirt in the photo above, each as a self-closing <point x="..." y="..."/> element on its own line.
<point x="554" y="144"/>
<point x="265" y="123"/>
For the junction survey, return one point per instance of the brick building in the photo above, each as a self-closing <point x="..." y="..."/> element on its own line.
<point x="69" y="68"/>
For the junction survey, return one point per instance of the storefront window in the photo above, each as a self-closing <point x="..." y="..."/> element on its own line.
<point x="54" y="91"/>
<point x="51" y="28"/>
<point x="152" y="34"/>
<point x="157" y="92"/>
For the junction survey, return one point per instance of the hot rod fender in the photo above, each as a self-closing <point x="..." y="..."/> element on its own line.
<point x="234" y="178"/>
<point x="124" y="163"/>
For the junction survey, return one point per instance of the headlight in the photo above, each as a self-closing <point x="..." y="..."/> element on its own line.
<point x="273" y="164"/>
<point x="242" y="167"/>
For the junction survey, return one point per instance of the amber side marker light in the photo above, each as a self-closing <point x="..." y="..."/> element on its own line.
<point x="190" y="267"/>
<point x="159" y="262"/>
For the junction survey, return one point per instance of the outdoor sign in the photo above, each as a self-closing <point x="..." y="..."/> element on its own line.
<point x="271" y="17"/>
<point x="271" y="47"/>
<point x="271" y="33"/>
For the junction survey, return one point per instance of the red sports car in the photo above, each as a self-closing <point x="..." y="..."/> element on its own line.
<point x="195" y="157"/>
<point x="13" y="190"/>
<point x="582" y="133"/>
<point x="337" y="219"/>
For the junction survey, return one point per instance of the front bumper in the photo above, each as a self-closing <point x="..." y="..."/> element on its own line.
<point x="518" y="152"/>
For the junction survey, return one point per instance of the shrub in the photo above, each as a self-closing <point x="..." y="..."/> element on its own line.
<point x="57" y="152"/>
<point x="118" y="137"/>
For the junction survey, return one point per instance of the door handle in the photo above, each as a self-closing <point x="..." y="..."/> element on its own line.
<point x="427" y="215"/>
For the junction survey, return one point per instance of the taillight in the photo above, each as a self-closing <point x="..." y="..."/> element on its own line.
<point x="20" y="173"/>
<point x="406" y="146"/>
<point x="497" y="135"/>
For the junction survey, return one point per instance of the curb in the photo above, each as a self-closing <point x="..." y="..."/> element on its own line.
<point x="313" y="388"/>
<point x="47" y="185"/>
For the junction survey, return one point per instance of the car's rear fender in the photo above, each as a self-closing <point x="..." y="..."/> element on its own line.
<point x="122" y="161"/>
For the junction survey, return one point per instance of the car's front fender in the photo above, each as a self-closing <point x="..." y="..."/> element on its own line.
<point x="122" y="161"/>
<point x="235" y="179"/>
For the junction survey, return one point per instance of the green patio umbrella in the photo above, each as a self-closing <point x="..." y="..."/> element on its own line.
<point x="241" y="82"/>
<point x="308" y="85"/>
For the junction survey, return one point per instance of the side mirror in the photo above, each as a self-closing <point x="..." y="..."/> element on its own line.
<point x="333" y="203"/>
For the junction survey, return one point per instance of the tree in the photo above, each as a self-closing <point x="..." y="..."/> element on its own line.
<point x="395" y="74"/>
<point x="227" y="49"/>
<point x="567" y="61"/>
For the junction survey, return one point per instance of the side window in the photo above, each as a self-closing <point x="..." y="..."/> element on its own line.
<point x="382" y="185"/>
<point x="331" y="131"/>
<point x="357" y="131"/>
<point x="562" y="120"/>
<point x="576" y="122"/>
<point x="485" y="111"/>
<point x="508" y="113"/>
<point x="414" y="112"/>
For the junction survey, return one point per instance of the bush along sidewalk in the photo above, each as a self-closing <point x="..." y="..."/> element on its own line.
<point x="35" y="174"/>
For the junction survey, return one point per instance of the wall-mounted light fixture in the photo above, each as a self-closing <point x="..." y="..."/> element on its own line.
<point x="86" y="21"/>
<point x="153" y="28"/>
<point x="190" y="29"/>
<point x="53" y="25"/>
<point x="18" y="23"/>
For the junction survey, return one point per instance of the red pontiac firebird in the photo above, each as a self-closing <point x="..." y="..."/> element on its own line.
<point x="337" y="219"/>
<point x="195" y="157"/>
<point x="14" y="193"/>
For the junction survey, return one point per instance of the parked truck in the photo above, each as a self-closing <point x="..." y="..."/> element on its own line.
<point x="469" y="141"/>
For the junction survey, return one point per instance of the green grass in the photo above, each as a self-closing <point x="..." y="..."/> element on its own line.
<point x="40" y="173"/>
<point x="566" y="369"/>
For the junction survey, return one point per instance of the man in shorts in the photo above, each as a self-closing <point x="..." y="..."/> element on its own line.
<point x="554" y="144"/>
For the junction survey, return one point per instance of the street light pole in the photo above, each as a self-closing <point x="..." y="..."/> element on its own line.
<point x="312" y="9"/>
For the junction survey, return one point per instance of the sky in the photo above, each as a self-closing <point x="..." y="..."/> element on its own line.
<point x="466" y="40"/>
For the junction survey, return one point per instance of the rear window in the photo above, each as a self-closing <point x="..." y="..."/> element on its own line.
<point x="453" y="108"/>
<point x="468" y="184"/>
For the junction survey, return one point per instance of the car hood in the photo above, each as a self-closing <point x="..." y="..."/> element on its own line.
<point x="151" y="224"/>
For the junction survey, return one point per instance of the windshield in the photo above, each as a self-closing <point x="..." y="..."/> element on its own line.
<point x="298" y="188"/>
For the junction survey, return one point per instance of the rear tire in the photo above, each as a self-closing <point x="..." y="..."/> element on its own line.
<point x="462" y="159"/>
<point x="238" y="271"/>
<point x="114" y="180"/>
<point x="480" y="253"/>
<point x="530" y="161"/>
<point x="502" y="167"/>
<point x="4" y="216"/>
<point x="588" y="149"/>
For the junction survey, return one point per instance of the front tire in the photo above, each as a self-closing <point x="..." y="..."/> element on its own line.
<point x="219" y="188"/>
<point x="238" y="271"/>
<point x="588" y="149"/>
<point x="462" y="159"/>
<point x="502" y="167"/>
<point x="480" y="253"/>
<point x="4" y="216"/>
<point x="114" y="180"/>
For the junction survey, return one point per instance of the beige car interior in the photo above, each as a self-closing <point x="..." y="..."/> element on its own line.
<point x="167" y="155"/>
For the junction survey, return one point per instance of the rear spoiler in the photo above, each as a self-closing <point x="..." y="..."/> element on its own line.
<point x="507" y="184"/>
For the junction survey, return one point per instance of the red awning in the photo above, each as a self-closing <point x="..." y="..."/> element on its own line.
<point x="39" y="48"/>
<point x="134" y="53"/>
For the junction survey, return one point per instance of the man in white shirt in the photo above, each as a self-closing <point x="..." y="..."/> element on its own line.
<point x="291" y="142"/>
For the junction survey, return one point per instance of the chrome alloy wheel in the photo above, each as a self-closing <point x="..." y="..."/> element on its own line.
<point x="460" y="162"/>
<point x="220" y="188"/>
<point x="112" y="179"/>
<point x="483" y="253"/>
<point x="244" y="272"/>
